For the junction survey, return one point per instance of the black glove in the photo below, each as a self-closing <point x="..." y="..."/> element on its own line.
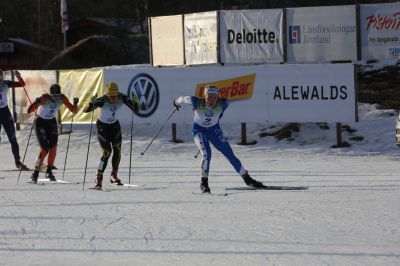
<point x="76" y="100"/>
<point x="177" y="106"/>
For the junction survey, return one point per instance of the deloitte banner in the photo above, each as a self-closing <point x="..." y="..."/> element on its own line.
<point x="166" y="36"/>
<point x="380" y="31"/>
<point x="321" y="34"/>
<point x="251" y="36"/>
<point x="201" y="38"/>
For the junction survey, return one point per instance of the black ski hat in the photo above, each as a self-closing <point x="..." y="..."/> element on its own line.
<point x="55" y="89"/>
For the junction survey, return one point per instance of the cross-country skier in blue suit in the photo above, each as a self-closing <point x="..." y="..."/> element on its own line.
<point x="206" y="129"/>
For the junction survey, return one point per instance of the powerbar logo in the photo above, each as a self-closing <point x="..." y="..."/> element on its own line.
<point x="237" y="88"/>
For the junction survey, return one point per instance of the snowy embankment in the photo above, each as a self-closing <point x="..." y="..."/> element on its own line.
<point x="348" y="216"/>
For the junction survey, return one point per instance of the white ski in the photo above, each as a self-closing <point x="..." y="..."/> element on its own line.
<point x="46" y="180"/>
<point x="124" y="185"/>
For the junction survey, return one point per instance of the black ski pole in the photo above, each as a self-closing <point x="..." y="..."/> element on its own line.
<point x="29" y="138"/>
<point x="130" y="155"/>
<point x="197" y="154"/>
<point x="158" y="132"/>
<point x="26" y="149"/>
<point x="87" y="155"/>
<point x="69" y="138"/>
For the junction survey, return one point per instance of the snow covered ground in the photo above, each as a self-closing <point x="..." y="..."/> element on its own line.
<point x="349" y="215"/>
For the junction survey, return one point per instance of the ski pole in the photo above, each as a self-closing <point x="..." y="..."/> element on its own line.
<point x="87" y="155"/>
<point x="26" y="93"/>
<point x="29" y="138"/>
<point x="158" y="132"/>
<point x="130" y="156"/>
<point x="197" y="154"/>
<point x="26" y="149"/>
<point x="69" y="138"/>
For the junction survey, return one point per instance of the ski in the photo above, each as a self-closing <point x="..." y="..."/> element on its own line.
<point x="35" y="183"/>
<point x="99" y="189"/>
<point x="124" y="185"/>
<point x="270" y="188"/>
<point x="46" y="180"/>
<point x="212" y="194"/>
<point x="23" y="170"/>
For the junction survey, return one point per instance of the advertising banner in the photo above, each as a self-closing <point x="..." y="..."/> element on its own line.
<point x="83" y="84"/>
<point x="167" y="40"/>
<point x="260" y="93"/>
<point x="157" y="88"/>
<point x="321" y="34"/>
<point x="201" y="38"/>
<point x="251" y="36"/>
<point x="380" y="31"/>
<point x="311" y="93"/>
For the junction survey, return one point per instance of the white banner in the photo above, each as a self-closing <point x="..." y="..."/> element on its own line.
<point x="283" y="93"/>
<point x="167" y="40"/>
<point x="380" y="31"/>
<point x="251" y="36"/>
<point x="37" y="82"/>
<point x="201" y="38"/>
<point x="311" y="93"/>
<point x="321" y="34"/>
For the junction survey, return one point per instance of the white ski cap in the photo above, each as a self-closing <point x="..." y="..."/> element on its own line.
<point x="210" y="89"/>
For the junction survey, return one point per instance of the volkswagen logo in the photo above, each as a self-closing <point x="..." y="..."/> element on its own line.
<point x="146" y="89"/>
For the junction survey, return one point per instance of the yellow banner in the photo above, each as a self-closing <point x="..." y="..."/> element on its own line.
<point x="82" y="84"/>
<point x="237" y="88"/>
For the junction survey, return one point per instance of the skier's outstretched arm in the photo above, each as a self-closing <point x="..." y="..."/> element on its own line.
<point x="178" y="102"/>
<point x="67" y="103"/>
<point x="132" y="104"/>
<point x="94" y="103"/>
<point x="19" y="83"/>
<point x="38" y="102"/>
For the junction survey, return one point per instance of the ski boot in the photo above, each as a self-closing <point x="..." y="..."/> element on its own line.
<point x="35" y="176"/>
<point x="114" y="178"/>
<point x="99" y="180"/>
<point x="49" y="174"/>
<point x="252" y="182"/>
<point x="204" y="185"/>
<point x="21" y="166"/>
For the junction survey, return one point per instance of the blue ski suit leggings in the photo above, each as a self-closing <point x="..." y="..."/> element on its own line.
<point x="203" y="136"/>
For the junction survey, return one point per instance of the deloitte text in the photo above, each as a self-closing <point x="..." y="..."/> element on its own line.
<point x="257" y="36"/>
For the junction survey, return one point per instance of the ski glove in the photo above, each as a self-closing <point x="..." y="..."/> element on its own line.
<point x="135" y="99"/>
<point x="176" y="106"/>
<point x="17" y="74"/>
<point x="76" y="100"/>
